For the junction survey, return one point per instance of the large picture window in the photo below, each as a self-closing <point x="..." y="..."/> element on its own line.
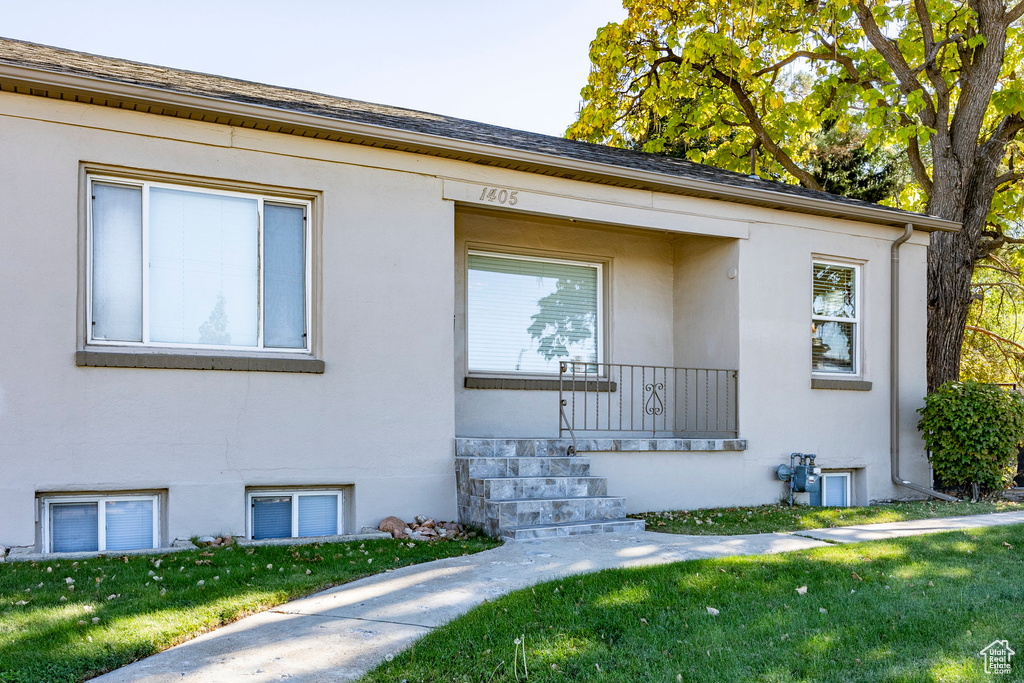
<point x="835" y="318"/>
<point x="84" y="523"/>
<point x="180" y="266"/>
<point x="525" y="314"/>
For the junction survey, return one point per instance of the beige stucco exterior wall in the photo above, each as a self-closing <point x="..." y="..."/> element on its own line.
<point x="779" y="411"/>
<point x="383" y="416"/>
<point x="706" y="302"/>
<point x="379" y="419"/>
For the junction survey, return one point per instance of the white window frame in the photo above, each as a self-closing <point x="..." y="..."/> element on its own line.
<point x="849" y="488"/>
<point x="261" y="199"/>
<point x="101" y="517"/>
<point x="294" y="494"/>
<point x="600" y="336"/>
<point x="858" y="351"/>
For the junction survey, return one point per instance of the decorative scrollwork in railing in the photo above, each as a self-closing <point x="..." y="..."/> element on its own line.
<point x="652" y="399"/>
<point x="653" y="405"/>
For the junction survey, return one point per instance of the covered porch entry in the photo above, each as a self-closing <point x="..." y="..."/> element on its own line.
<point x="584" y="350"/>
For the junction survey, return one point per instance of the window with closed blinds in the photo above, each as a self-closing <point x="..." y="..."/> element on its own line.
<point x="291" y="513"/>
<point x="74" y="527"/>
<point x="129" y="524"/>
<point x="272" y="517"/>
<point x="526" y="314"/>
<point x="318" y="515"/>
<point x="835" y="318"/>
<point x="835" y="490"/>
<point x="193" y="267"/>
<point x="107" y="522"/>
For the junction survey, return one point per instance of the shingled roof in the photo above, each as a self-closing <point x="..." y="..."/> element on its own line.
<point x="54" y="72"/>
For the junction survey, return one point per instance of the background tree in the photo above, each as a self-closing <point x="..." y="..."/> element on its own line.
<point x="934" y="79"/>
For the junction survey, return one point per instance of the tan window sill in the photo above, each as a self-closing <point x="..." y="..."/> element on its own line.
<point x="172" y="361"/>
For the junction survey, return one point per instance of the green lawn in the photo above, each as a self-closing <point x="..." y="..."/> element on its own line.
<point x="768" y="518"/>
<point x="125" y="608"/>
<point x="912" y="609"/>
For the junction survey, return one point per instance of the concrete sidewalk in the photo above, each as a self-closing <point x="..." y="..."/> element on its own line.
<point x="340" y="634"/>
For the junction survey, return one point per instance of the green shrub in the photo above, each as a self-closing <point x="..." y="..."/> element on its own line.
<point x="973" y="431"/>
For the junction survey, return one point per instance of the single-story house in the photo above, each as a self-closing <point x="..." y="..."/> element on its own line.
<point x="243" y="309"/>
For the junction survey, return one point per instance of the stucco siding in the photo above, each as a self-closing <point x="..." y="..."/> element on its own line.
<point x="381" y="416"/>
<point x="392" y="230"/>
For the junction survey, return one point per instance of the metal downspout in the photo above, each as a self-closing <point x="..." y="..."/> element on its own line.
<point x="894" y="372"/>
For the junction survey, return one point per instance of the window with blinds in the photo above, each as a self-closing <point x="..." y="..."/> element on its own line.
<point x="183" y="266"/>
<point x="525" y="314"/>
<point x="295" y="514"/>
<point x="835" y="318"/>
<point x="83" y="524"/>
<point x="835" y="490"/>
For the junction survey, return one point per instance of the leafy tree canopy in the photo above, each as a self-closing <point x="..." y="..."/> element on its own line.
<point x="936" y="81"/>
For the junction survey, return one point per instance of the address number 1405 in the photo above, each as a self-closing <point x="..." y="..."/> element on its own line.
<point x="497" y="195"/>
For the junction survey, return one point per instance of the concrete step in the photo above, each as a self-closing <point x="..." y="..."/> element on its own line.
<point x="510" y="488"/>
<point x="503" y="514"/>
<point x="538" y="466"/>
<point x="611" y="526"/>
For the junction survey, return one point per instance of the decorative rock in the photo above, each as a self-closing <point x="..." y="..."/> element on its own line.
<point x="407" y="530"/>
<point x="183" y="543"/>
<point x="394" y="526"/>
<point x="206" y="540"/>
<point x="219" y="540"/>
<point x="427" y="532"/>
<point x="430" y="524"/>
<point x="420" y="519"/>
<point x="452" y="526"/>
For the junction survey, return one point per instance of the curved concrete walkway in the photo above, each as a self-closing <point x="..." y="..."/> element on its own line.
<point x="340" y="634"/>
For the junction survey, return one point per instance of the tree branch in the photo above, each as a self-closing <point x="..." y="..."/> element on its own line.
<point x="841" y="59"/>
<point x="908" y="81"/>
<point x="1009" y="177"/>
<point x="994" y="336"/>
<point x="917" y="163"/>
<point x="805" y="178"/>
<point x="1014" y="13"/>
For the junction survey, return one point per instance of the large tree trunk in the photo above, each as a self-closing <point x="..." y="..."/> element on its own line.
<point x="965" y="197"/>
<point x="950" y="267"/>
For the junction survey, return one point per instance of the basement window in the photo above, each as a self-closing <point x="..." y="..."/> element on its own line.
<point x="835" y="490"/>
<point x="295" y="514"/>
<point x="100" y="523"/>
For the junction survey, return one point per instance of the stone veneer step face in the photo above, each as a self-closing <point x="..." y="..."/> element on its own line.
<point x="475" y="467"/>
<point x="530" y="488"/>
<point x="510" y="488"/>
<point x="504" y="514"/>
<point x="556" y="531"/>
<point x="510" y="448"/>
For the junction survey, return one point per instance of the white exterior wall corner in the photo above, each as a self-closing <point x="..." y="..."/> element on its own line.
<point x="779" y="412"/>
<point x="381" y="418"/>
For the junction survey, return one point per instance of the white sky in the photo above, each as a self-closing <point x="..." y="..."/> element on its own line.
<point x="519" y="64"/>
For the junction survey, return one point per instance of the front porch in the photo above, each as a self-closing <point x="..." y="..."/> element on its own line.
<point x="544" y="310"/>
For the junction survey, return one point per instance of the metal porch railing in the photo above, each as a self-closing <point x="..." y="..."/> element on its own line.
<point x="647" y="399"/>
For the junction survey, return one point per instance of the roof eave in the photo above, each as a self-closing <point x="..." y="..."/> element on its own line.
<point x="33" y="78"/>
